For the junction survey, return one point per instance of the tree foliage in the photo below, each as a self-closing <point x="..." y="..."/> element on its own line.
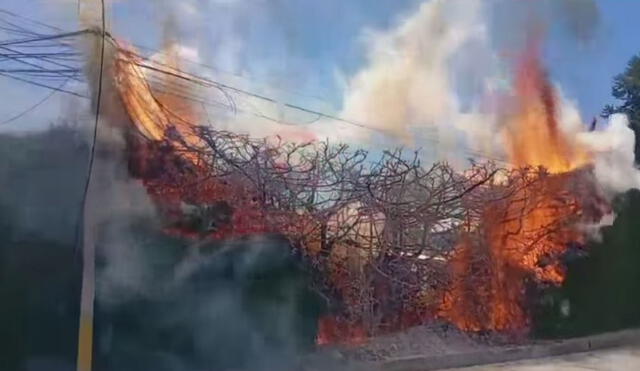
<point x="595" y="296"/>
<point x="626" y="89"/>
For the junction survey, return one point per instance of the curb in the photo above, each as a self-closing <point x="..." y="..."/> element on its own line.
<point x="534" y="351"/>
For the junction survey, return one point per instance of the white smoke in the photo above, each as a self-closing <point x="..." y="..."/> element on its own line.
<point x="613" y="147"/>
<point x="431" y="81"/>
<point x="414" y="72"/>
<point x="407" y="89"/>
<point x="436" y="80"/>
<point x="140" y="273"/>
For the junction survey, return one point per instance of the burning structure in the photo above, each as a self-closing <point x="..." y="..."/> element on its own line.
<point x="391" y="243"/>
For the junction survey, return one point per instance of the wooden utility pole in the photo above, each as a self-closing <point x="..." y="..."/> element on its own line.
<point x="85" y="333"/>
<point x="88" y="220"/>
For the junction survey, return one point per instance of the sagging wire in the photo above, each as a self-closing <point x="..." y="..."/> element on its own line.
<point x="36" y="105"/>
<point x="226" y="90"/>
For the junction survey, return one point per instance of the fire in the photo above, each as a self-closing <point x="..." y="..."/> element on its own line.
<point x="533" y="135"/>
<point x="157" y="115"/>
<point x="531" y="214"/>
<point x="519" y="238"/>
<point x="331" y="331"/>
<point x="523" y="236"/>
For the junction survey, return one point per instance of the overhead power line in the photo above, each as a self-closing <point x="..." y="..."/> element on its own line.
<point x="46" y="38"/>
<point x="203" y="81"/>
<point x="41" y="85"/>
<point x="187" y="60"/>
<point x="180" y="90"/>
<point x="28" y="19"/>
<point x="36" y="105"/>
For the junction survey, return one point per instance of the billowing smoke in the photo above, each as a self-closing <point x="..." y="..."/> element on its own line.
<point x="231" y="305"/>
<point x="581" y="17"/>
<point x="614" y="159"/>
<point x="436" y="80"/>
<point x="409" y="85"/>
<point x="170" y="304"/>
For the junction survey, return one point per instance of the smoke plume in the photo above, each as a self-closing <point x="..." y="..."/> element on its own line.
<point x="410" y="82"/>
<point x="170" y="304"/>
<point x="613" y="147"/>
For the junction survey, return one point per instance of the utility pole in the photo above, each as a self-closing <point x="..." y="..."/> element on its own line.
<point x="85" y="333"/>
<point x="88" y="219"/>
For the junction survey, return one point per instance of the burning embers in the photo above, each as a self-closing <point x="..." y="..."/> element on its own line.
<point x="391" y="244"/>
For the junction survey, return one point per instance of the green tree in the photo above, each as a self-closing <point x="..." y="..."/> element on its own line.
<point x="626" y="89"/>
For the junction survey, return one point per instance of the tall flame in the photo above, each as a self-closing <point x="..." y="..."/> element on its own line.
<point x="533" y="135"/>
<point x="524" y="235"/>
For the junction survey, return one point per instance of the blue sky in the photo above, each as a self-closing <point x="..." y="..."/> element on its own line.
<point x="311" y="47"/>
<point x="586" y="71"/>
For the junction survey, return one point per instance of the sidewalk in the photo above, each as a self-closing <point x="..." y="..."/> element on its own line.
<point x="621" y="359"/>
<point x="605" y="349"/>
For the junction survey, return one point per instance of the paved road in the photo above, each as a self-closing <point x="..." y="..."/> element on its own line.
<point x="621" y="359"/>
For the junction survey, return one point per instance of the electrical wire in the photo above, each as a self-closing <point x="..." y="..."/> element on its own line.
<point x="157" y="67"/>
<point x="45" y="38"/>
<point x="36" y="22"/>
<point x="33" y="107"/>
<point x="35" y="83"/>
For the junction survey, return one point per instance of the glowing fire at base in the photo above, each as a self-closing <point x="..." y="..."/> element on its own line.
<point x="331" y="331"/>
<point x="519" y="238"/>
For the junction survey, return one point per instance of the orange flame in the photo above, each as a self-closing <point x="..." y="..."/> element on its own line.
<point x="533" y="136"/>
<point x="523" y="236"/>
<point x="157" y="115"/>
<point x="519" y="238"/>
<point x="331" y="331"/>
